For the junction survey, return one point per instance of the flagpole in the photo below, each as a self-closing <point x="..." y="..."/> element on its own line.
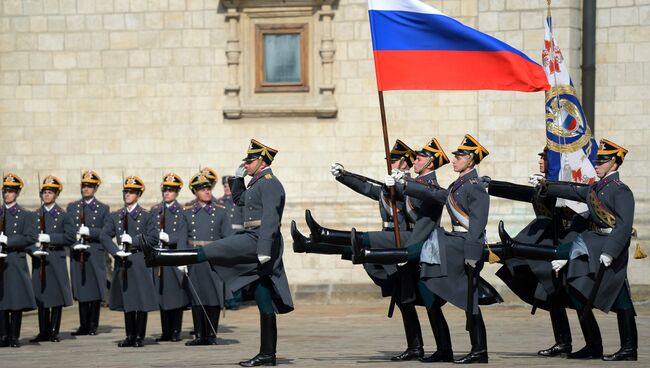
<point x="391" y="190"/>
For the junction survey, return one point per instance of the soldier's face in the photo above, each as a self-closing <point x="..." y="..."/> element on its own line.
<point x="419" y="163"/>
<point x="226" y="189"/>
<point x="204" y="194"/>
<point x="169" y="195"/>
<point x="400" y="165"/>
<point x="461" y="162"/>
<point x="130" y="197"/>
<point x="542" y="165"/>
<point x="88" y="191"/>
<point x="254" y="166"/>
<point x="605" y="168"/>
<point x="9" y="196"/>
<point x="48" y="196"/>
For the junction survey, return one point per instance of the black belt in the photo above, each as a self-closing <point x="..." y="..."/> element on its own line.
<point x="57" y="248"/>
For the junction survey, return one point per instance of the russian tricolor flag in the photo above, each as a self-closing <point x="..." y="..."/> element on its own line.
<point x="417" y="47"/>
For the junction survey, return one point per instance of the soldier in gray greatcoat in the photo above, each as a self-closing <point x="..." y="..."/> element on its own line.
<point x="206" y="221"/>
<point x="17" y="232"/>
<point x="87" y="256"/>
<point x="597" y="255"/>
<point x="50" y="278"/>
<point x="253" y="256"/>
<point x="236" y="219"/>
<point x="132" y="288"/>
<point x="451" y="261"/>
<point x="171" y="283"/>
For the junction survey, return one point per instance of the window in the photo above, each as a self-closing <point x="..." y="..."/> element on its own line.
<point x="281" y="58"/>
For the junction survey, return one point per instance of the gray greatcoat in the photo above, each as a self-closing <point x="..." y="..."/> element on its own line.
<point x="90" y="284"/>
<point x="171" y="283"/>
<point x="137" y="292"/>
<point x="611" y="206"/>
<point x="16" y="293"/>
<point x="236" y="257"/>
<point x="55" y="292"/>
<point x="204" y="225"/>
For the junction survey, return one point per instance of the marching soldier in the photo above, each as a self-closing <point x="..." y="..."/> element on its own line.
<point x="170" y="225"/>
<point x="253" y="256"/>
<point x="601" y="251"/>
<point x="451" y="261"/>
<point x="206" y="222"/>
<point x="400" y="284"/>
<point x="132" y="288"/>
<point x="50" y="278"/>
<point x="18" y="231"/>
<point x="87" y="257"/>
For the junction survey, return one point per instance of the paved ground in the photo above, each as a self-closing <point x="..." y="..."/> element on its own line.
<point x="315" y="336"/>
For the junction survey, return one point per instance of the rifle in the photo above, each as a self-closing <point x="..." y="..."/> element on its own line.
<point x="43" y="246"/>
<point x="162" y="228"/>
<point x="82" y="238"/>
<point x="2" y="231"/>
<point x="125" y="227"/>
<point x="361" y="177"/>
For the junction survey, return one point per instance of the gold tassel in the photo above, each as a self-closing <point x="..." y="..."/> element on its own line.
<point x="638" y="251"/>
<point x="492" y="257"/>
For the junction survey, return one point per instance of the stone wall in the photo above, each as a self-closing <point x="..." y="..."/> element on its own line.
<point x="137" y="87"/>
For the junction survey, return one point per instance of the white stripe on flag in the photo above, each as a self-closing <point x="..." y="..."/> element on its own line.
<point x="403" y="5"/>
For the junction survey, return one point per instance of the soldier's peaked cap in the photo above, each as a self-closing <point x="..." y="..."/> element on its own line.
<point x="257" y="150"/>
<point x="469" y="145"/>
<point x="401" y="150"/>
<point x="609" y="150"/>
<point x="434" y="151"/>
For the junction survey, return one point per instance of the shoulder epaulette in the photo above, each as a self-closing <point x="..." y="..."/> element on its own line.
<point x="219" y="205"/>
<point x="268" y="176"/>
<point x="155" y="207"/>
<point x="473" y="181"/>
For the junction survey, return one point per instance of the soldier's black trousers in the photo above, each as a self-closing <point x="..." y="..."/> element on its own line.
<point x="263" y="295"/>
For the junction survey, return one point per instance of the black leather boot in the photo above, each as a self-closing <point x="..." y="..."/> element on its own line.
<point x="302" y="244"/>
<point x="594" y="343"/>
<point x="478" y="338"/>
<point x="362" y="255"/>
<point x="140" y="328"/>
<point x="413" y="334"/>
<point x="176" y="322"/>
<point x="84" y="310"/>
<point x="628" y="335"/>
<point x="562" y="333"/>
<point x="43" y="325"/>
<point x="169" y="257"/>
<point x="499" y="249"/>
<point x="164" y="325"/>
<point x="440" y="329"/>
<point x="268" y="342"/>
<point x="320" y="234"/>
<point x="211" y="325"/>
<point x="129" y="327"/>
<point x="14" y="329"/>
<point x="199" y="327"/>
<point x="93" y="317"/>
<point x="4" y="328"/>
<point x="526" y="251"/>
<point x="55" y="324"/>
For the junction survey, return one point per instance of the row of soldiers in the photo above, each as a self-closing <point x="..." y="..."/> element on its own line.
<point x="85" y="231"/>
<point x="561" y="260"/>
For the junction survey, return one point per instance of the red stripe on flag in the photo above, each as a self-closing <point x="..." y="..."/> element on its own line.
<point x="457" y="70"/>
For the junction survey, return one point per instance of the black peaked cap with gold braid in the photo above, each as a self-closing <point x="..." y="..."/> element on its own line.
<point x="133" y="182"/>
<point x="257" y="150"/>
<point x="469" y="145"/>
<point x="210" y="174"/>
<point x="609" y="150"/>
<point x="434" y="151"/>
<point x="199" y="181"/>
<point x="402" y="151"/>
<point x="12" y="181"/>
<point x="53" y="183"/>
<point x="90" y="177"/>
<point x="171" y="181"/>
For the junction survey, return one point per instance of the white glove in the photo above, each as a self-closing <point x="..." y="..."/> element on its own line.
<point x="81" y="247"/>
<point x="126" y="238"/>
<point x="183" y="269"/>
<point x="389" y="181"/>
<point x="336" y="169"/>
<point x="3" y="255"/>
<point x="40" y="253"/>
<point x="558" y="264"/>
<point x="606" y="259"/>
<point x="84" y="230"/>
<point x="3" y="239"/>
<point x="123" y="254"/>
<point x="471" y="262"/>
<point x="534" y="179"/>
<point x="240" y="172"/>
<point x="164" y="237"/>
<point x="43" y="238"/>
<point x="398" y="175"/>
<point x="263" y="259"/>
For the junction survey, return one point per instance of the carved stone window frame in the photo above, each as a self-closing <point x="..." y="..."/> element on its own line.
<point x="241" y="98"/>
<point x="301" y="29"/>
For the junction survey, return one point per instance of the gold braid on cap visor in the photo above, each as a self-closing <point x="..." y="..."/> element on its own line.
<point x="264" y="151"/>
<point x="407" y="154"/>
<point x="439" y="154"/>
<point x="478" y="150"/>
<point x="619" y="151"/>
